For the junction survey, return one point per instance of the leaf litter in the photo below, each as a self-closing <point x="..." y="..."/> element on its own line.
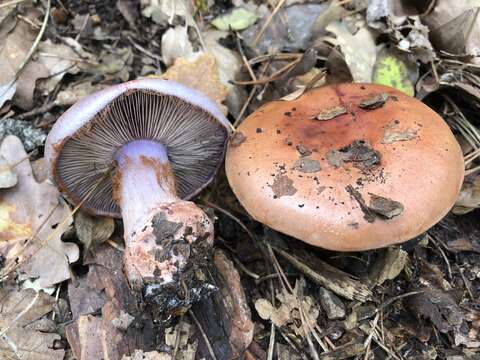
<point x="400" y="302"/>
<point x="30" y="214"/>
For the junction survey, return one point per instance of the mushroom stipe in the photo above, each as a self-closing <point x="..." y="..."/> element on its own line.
<point x="164" y="142"/>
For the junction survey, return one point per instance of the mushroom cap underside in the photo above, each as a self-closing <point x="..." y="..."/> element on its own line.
<point x="81" y="145"/>
<point x="346" y="167"/>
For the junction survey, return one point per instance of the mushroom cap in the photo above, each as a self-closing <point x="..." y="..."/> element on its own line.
<point x="82" y="143"/>
<point x="304" y="167"/>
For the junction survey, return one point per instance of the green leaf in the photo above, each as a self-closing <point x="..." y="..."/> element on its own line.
<point x="390" y="70"/>
<point x="238" y="19"/>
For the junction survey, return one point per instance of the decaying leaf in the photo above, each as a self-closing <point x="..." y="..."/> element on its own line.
<point x="288" y="313"/>
<point x="186" y="348"/>
<point x="294" y="95"/>
<point x="359" y="50"/>
<point x="388" y="265"/>
<point x="229" y="63"/>
<point x="93" y="230"/>
<point x="76" y="92"/>
<point x="469" y="196"/>
<point x="8" y="177"/>
<point x="176" y="44"/>
<point x="30" y="215"/>
<point x="165" y="11"/>
<point x="13" y="52"/>
<point x="116" y="63"/>
<point x="57" y="59"/>
<point x="437" y="306"/>
<point x="404" y="27"/>
<point x="393" y="133"/>
<point x="237" y="19"/>
<point x="19" y="341"/>
<point x="392" y="71"/>
<point x="455" y="27"/>
<point x="202" y="75"/>
<point x="291" y="28"/>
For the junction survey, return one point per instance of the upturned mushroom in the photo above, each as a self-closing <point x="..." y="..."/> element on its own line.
<point x="139" y="150"/>
<point x="346" y="167"/>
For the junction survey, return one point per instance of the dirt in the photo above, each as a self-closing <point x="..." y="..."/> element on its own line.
<point x="379" y="208"/>
<point x="359" y="153"/>
<point x="373" y="102"/>
<point x="237" y="139"/>
<point x="368" y="214"/>
<point x="385" y="207"/>
<point x="331" y="113"/>
<point x="282" y="186"/>
<point x="307" y="165"/>
<point x="392" y="133"/>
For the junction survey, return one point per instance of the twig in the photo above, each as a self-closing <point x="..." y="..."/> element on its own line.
<point x="57" y="294"/>
<point x="395" y="298"/>
<point x="271" y="78"/>
<point x="442" y="253"/>
<point x="332" y="278"/>
<point x="272" y="276"/>
<point x="250" y="97"/>
<point x="465" y="282"/>
<point x="367" y="342"/>
<point x="244" y="58"/>
<point x="233" y="217"/>
<point x="271" y="343"/>
<point x="244" y="269"/>
<point x="9" y="3"/>
<point x="31" y="51"/>
<point x="143" y="50"/>
<point x="205" y="337"/>
<point x="177" y="338"/>
<point x="19" y="315"/>
<point x="267" y="23"/>
<point x="115" y="245"/>
<point x="472" y="170"/>
<point x="38" y="111"/>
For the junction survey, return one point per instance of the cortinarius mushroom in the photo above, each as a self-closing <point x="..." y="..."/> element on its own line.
<point x="136" y="150"/>
<point x="346" y="167"/>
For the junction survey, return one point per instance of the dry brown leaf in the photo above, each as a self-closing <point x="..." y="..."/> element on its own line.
<point x="57" y="59"/>
<point x="20" y="342"/>
<point x="469" y="197"/>
<point x="23" y="210"/>
<point x="93" y="230"/>
<point x="202" y="75"/>
<point x="359" y="50"/>
<point x="288" y="314"/>
<point x="13" y="52"/>
<point x="455" y="27"/>
<point x="76" y="92"/>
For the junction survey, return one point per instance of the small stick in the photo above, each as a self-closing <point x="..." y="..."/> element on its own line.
<point x="205" y="337"/>
<point x="31" y="51"/>
<point x="9" y="3"/>
<point x="267" y="23"/>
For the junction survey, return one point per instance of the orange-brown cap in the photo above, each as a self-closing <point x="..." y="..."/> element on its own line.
<point x="346" y="167"/>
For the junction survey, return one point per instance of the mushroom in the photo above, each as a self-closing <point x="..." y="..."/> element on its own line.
<point x="139" y="150"/>
<point x="346" y="167"/>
